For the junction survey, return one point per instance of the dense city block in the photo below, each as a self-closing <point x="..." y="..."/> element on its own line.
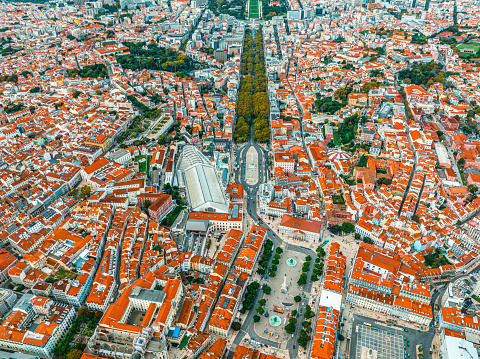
<point x="241" y="179"/>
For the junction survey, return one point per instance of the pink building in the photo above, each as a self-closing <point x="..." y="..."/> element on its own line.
<point x="160" y="207"/>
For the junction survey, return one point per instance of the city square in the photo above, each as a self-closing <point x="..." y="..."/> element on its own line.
<point x="283" y="300"/>
<point x="373" y="342"/>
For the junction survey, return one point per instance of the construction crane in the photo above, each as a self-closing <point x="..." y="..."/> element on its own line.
<point x="154" y="58"/>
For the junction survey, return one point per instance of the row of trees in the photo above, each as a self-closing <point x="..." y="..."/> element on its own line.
<point x="305" y="333"/>
<point x="272" y="272"/>
<point x="262" y="302"/>
<point x="317" y="269"/>
<point x="261" y="103"/>
<point x="261" y="308"/>
<point x="266" y="255"/>
<point x="367" y="240"/>
<point x="344" y="228"/>
<point x="250" y="296"/>
<point x="64" y="348"/>
<point x="244" y="100"/>
<point x="252" y="103"/>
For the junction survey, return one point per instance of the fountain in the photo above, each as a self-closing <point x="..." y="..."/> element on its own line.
<point x="291" y="262"/>
<point x="275" y="321"/>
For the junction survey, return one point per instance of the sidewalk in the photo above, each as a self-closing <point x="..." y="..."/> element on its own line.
<point x="273" y="224"/>
<point x="381" y="318"/>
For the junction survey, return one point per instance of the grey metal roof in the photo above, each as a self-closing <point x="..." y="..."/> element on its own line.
<point x="149" y="295"/>
<point x="16" y="355"/>
<point x="24" y="302"/>
<point x="197" y="225"/>
<point x="198" y="175"/>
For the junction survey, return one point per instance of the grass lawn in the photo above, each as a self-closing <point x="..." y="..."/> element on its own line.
<point x="62" y="274"/>
<point x="470" y="46"/>
<point x="253" y="11"/>
<point x="172" y="216"/>
<point x="143" y="163"/>
<point x="183" y="342"/>
<point x="338" y="199"/>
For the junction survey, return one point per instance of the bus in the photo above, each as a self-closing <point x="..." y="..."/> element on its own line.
<point x="277" y="309"/>
<point x="367" y="324"/>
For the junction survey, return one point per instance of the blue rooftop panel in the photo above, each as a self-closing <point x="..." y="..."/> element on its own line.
<point x="225" y="303"/>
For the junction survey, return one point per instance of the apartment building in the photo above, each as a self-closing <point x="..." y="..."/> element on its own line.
<point x="161" y="207"/>
<point x="454" y="319"/>
<point x="325" y="337"/>
<point x="230" y="248"/>
<point x="20" y="334"/>
<point x="216" y="351"/>
<point x="225" y="310"/>
<point x="250" y="251"/>
<point x="285" y="161"/>
<point x="380" y="282"/>
<point x="78" y="289"/>
<point x="415" y="94"/>
<point x="222" y="222"/>
<point x="101" y="293"/>
<point x="415" y="291"/>
<point x="7" y="300"/>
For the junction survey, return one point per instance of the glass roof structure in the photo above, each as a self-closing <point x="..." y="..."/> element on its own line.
<point x="199" y="177"/>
